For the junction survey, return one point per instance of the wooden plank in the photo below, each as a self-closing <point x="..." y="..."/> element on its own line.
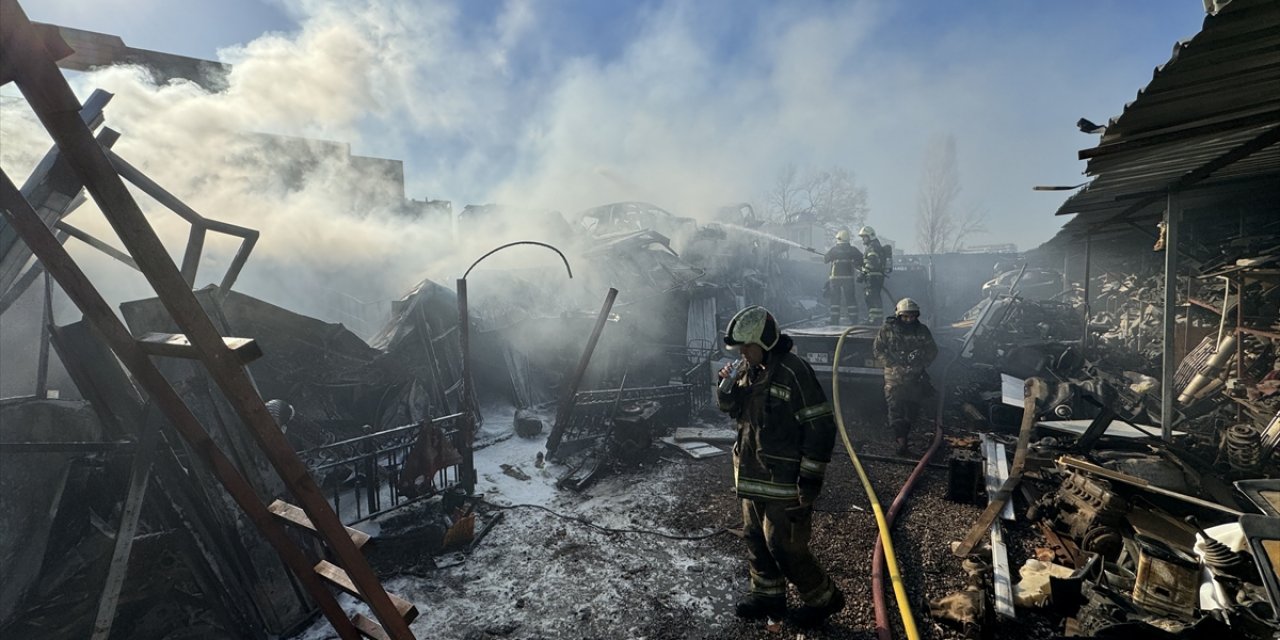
<point x="339" y="578"/>
<point x="295" y="516"/>
<point x="176" y="345"/>
<point x="368" y="628"/>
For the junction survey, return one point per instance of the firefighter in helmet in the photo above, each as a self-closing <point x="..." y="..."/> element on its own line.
<point x="786" y="432"/>
<point x="874" y="269"/>
<point x="845" y="261"/>
<point x="905" y="348"/>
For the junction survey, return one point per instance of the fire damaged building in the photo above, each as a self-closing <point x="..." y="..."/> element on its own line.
<point x="529" y="443"/>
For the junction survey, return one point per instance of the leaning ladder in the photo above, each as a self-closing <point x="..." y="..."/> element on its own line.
<point x="27" y="57"/>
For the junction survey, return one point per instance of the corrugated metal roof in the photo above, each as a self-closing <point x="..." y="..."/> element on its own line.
<point x="1207" y="124"/>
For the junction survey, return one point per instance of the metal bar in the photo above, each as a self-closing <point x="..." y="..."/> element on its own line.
<point x="1134" y="481"/>
<point x="465" y="402"/>
<point x="84" y="237"/>
<point x="1169" y="368"/>
<point x="42" y="365"/>
<point x="1003" y="584"/>
<point x="565" y="409"/>
<point x="381" y="434"/>
<point x="55" y="105"/>
<point x="129" y="518"/>
<point x="125" y="446"/>
<point x="191" y="259"/>
<point x="77" y="286"/>
<point x="151" y="188"/>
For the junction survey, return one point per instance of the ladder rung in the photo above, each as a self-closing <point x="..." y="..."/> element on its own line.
<point x="176" y="345"/>
<point x="369" y="628"/>
<point x="334" y="574"/>
<point x="297" y="517"/>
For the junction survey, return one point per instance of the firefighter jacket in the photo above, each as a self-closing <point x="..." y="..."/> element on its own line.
<point x="905" y="351"/>
<point x="845" y="260"/>
<point x="786" y="429"/>
<point x="873" y="259"/>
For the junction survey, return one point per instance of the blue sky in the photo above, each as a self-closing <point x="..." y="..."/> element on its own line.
<point x="690" y="104"/>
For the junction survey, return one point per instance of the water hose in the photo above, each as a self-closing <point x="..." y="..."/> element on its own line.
<point x="883" y="632"/>
<point x="899" y="589"/>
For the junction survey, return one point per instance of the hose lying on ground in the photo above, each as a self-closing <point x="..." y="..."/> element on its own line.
<point x="899" y="589"/>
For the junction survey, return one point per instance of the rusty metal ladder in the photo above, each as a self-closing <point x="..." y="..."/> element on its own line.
<point x="27" y="57"/>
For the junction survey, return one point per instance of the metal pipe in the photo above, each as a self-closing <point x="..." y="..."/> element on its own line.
<point x="1088" y="250"/>
<point x="1226" y="301"/>
<point x="1168" y="367"/>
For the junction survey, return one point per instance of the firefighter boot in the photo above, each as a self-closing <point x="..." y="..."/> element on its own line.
<point x="808" y="617"/>
<point x="756" y="607"/>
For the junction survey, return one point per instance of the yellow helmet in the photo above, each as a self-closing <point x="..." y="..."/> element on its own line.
<point x="842" y="235"/>
<point x="867" y="232"/>
<point x="906" y="305"/>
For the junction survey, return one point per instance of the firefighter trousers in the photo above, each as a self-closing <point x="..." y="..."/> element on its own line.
<point x="908" y="402"/>
<point x="843" y="299"/>
<point x="872" y="294"/>
<point x="777" y="535"/>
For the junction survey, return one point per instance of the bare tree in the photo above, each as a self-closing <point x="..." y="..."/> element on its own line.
<point x="829" y="196"/>
<point x="784" y="199"/>
<point x="940" y="225"/>
<point x="833" y="196"/>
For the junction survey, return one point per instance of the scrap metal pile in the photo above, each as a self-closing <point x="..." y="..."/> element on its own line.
<point x="1133" y="534"/>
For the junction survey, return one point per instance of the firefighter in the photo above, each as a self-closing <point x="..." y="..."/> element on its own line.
<point x="905" y="348"/>
<point x="874" y="270"/>
<point x="845" y="261"/>
<point x="786" y="431"/>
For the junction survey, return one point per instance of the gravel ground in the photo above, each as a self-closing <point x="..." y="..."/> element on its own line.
<point x="542" y="575"/>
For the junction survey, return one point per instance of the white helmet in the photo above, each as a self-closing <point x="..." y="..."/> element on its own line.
<point x="867" y="232"/>
<point x="906" y="305"/>
<point x="842" y="235"/>
<point x="753" y="325"/>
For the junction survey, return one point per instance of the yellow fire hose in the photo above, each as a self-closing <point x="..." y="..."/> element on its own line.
<point x="895" y="577"/>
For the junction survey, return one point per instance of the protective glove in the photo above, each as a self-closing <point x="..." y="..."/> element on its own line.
<point x="809" y="488"/>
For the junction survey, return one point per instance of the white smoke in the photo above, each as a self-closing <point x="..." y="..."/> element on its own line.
<point x="489" y="110"/>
